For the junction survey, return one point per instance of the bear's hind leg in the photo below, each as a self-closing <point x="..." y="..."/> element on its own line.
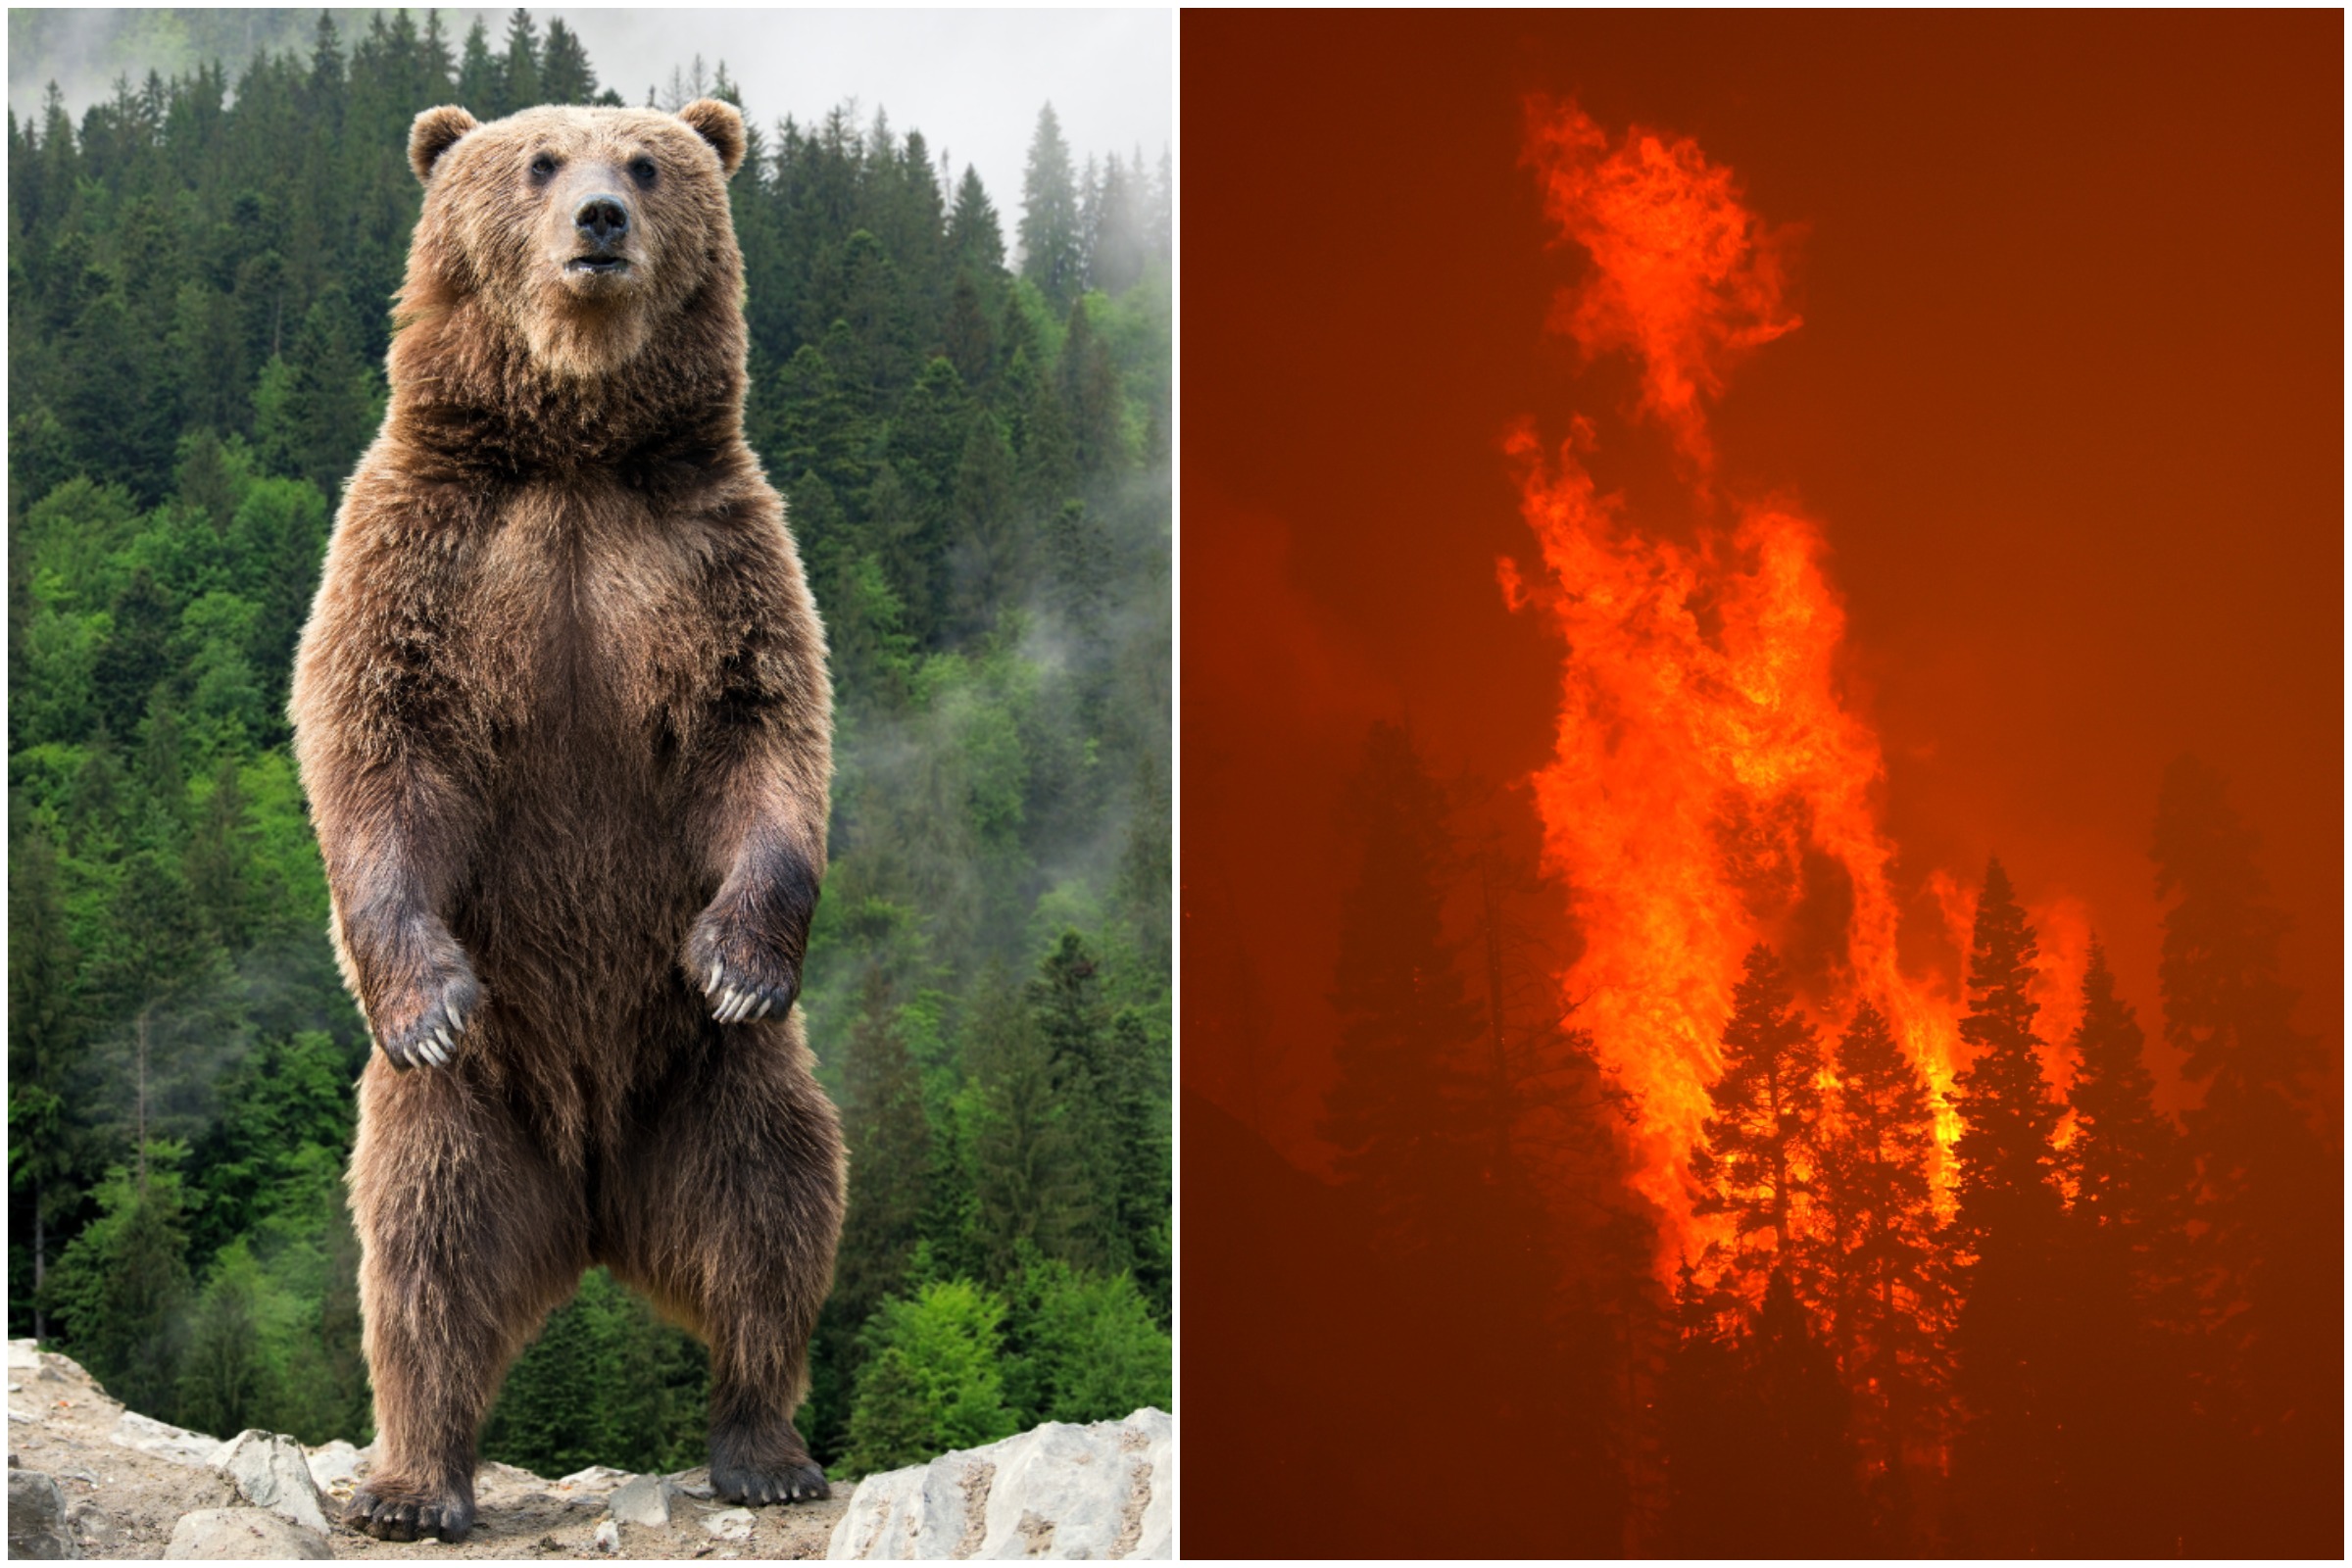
<point x="728" y="1216"/>
<point x="469" y="1238"/>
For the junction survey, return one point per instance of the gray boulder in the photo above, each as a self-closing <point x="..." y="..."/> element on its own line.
<point x="165" y="1441"/>
<point x="36" y="1518"/>
<point x="334" y="1464"/>
<point x="233" y="1535"/>
<point x="270" y="1471"/>
<point x="1058" y="1491"/>
<point x="641" y="1500"/>
<point x="731" y="1524"/>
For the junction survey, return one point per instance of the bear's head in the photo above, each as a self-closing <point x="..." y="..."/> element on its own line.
<point x="582" y="236"/>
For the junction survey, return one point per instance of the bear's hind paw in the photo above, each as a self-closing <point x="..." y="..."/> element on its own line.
<point x="391" y="1510"/>
<point x="758" y="1488"/>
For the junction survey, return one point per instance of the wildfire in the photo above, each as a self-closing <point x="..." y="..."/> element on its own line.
<point x="1712" y="785"/>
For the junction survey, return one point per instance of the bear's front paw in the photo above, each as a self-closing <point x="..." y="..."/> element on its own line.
<point x="430" y="1034"/>
<point x="740" y="981"/>
<point x="390" y="1509"/>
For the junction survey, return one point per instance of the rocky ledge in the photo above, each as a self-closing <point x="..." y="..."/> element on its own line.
<point x="90" y="1479"/>
<point x="1095" y="1491"/>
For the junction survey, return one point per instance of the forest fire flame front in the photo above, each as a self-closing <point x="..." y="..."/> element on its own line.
<point x="1713" y="784"/>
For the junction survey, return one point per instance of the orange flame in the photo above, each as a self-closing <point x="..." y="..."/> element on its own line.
<point x="1712" y="784"/>
<point x="1684" y="275"/>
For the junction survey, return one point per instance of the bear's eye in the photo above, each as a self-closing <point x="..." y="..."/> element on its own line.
<point x="542" y="167"/>
<point x="643" y="171"/>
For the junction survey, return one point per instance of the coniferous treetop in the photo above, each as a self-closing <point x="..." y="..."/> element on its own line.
<point x="2007" y="1114"/>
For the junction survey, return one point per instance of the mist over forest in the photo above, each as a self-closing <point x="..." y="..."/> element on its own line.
<point x="975" y="458"/>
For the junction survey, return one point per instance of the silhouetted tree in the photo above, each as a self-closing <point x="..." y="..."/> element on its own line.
<point x="2006" y="1456"/>
<point x="1891" y="1298"/>
<point x="1757" y="1150"/>
<point x="2124" y="1367"/>
<point x="1406" y="1023"/>
<point x="2270" y="1197"/>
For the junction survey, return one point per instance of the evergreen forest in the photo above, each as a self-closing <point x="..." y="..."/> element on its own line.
<point x="2089" y="1327"/>
<point x="967" y="403"/>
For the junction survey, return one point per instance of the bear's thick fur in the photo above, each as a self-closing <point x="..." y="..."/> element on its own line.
<point x="562" y="717"/>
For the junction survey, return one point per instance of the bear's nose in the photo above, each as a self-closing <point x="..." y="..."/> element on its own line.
<point x="603" y="220"/>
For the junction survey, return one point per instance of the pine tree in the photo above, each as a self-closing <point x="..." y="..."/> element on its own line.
<point x="989" y="555"/>
<point x="518" y="70"/>
<point x="2123" y="1161"/>
<point x="565" y="75"/>
<point x="1053" y="238"/>
<point x="2270" y="1197"/>
<point x="2005" y="1463"/>
<point x="1091" y="399"/>
<point x="967" y="340"/>
<point x="1890" y="1294"/>
<point x="481" y="84"/>
<point x="1406" y="1023"/>
<point x="119" y="1288"/>
<point x="1758" y="1149"/>
<point x="2124" y="1366"/>
<point x="1029" y="1177"/>
<point x="890" y="1146"/>
<point x="975" y="239"/>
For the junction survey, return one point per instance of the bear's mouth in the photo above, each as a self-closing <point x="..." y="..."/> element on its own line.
<point x="600" y="265"/>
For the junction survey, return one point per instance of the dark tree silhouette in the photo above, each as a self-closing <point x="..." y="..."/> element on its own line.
<point x="2125" y="1370"/>
<point x="2005" y="1459"/>
<point x="2269" y="1195"/>
<point x="1889" y="1293"/>
<point x="1405" y="1022"/>
<point x="1759" y="1148"/>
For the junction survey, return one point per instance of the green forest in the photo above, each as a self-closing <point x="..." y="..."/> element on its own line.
<point x="975" y="455"/>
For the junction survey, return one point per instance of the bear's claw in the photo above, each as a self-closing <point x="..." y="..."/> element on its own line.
<point x="756" y="1488"/>
<point x="390" y="1511"/>
<point x="735" y="999"/>
<point x="433" y="1038"/>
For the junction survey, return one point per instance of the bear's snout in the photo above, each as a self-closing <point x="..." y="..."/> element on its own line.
<point x="601" y="221"/>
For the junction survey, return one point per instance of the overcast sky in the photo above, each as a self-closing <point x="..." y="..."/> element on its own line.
<point x="971" y="81"/>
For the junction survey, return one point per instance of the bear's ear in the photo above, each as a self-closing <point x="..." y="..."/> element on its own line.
<point x="720" y="123"/>
<point x="435" y="132"/>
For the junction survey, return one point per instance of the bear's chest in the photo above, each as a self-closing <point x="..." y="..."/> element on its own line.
<point x="587" y="621"/>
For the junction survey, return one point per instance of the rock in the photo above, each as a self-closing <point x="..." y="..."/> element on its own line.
<point x="596" y="1478"/>
<point x="165" y="1442"/>
<point x="24" y="1355"/>
<point x="641" y="1500"/>
<point x="334" y="1464"/>
<point x="1057" y="1491"/>
<point x="608" y="1537"/>
<point x="732" y="1524"/>
<point x="270" y="1471"/>
<point x="1155" y="1523"/>
<point x="93" y="1526"/>
<point x="694" y="1483"/>
<point x="36" y="1517"/>
<point x="241" y="1534"/>
<point x="495" y="1476"/>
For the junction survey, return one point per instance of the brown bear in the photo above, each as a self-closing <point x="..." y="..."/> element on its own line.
<point x="562" y="717"/>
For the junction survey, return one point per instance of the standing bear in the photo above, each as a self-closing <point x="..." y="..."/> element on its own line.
<point x="562" y="717"/>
